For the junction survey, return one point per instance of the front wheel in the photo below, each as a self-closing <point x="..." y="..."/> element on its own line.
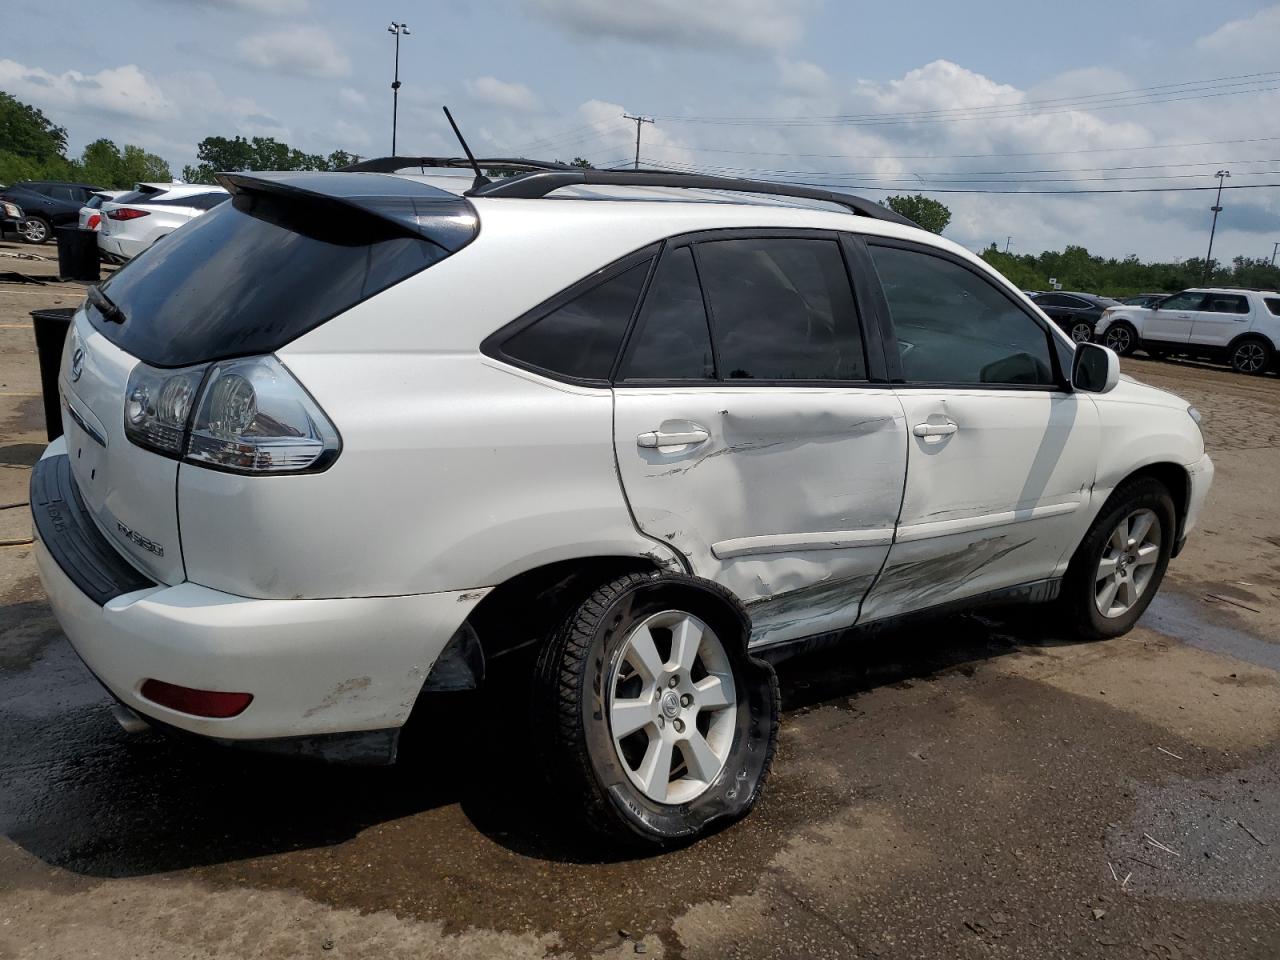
<point x="655" y="722"/>
<point x="1120" y="564"/>
<point x="1251" y="357"/>
<point x="1121" y="338"/>
<point x="35" y="230"/>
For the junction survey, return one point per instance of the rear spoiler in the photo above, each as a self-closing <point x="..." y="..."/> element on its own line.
<point x="446" y="219"/>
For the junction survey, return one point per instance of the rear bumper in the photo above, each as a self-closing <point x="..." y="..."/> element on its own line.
<point x="315" y="667"/>
<point x="121" y="247"/>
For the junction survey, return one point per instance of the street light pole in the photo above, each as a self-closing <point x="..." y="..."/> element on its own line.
<point x="397" y="29"/>
<point x="1274" y="247"/>
<point x="1217" y="209"/>
<point x="639" y="120"/>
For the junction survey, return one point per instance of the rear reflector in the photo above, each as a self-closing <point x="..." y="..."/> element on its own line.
<point x="197" y="703"/>
<point x="127" y="213"/>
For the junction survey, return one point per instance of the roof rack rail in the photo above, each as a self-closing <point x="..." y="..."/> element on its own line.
<point x="541" y="182"/>
<point x="392" y="164"/>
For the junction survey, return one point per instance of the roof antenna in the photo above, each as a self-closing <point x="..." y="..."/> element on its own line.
<point x="481" y="179"/>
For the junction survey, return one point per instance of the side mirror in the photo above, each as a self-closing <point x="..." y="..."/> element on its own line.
<point x="1095" y="368"/>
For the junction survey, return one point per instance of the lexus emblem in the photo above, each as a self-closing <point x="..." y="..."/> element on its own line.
<point x="77" y="364"/>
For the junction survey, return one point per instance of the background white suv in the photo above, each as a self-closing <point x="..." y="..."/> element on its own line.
<point x="1241" y="327"/>
<point x="357" y="439"/>
<point x="132" y="222"/>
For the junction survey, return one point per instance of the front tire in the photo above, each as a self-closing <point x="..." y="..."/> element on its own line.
<point x="35" y="229"/>
<point x="1251" y="357"/>
<point x="654" y="721"/>
<point x="1121" y="337"/>
<point x="1121" y="562"/>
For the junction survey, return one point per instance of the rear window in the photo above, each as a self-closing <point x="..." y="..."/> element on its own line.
<point x="1273" y="304"/>
<point x="253" y="274"/>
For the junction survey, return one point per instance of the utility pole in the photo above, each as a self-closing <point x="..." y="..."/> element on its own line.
<point x="1217" y="209"/>
<point x="1007" y="241"/>
<point x="397" y="29"/>
<point x="1274" y="246"/>
<point x="639" y="120"/>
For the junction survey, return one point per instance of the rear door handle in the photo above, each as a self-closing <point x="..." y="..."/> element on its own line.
<point x="657" y="439"/>
<point x="934" y="429"/>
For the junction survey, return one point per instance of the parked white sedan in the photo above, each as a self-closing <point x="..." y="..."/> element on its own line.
<point x="133" y="222"/>
<point x="355" y="440"/>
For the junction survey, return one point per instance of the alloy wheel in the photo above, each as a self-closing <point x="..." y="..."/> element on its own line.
<point x="1118" y="339"/>
<point x="1082" y="332"/>
<point x="1128" y="563"/>
<point x="34" y="230"/>
<point x="672" y="707"/>
<point x="1249" y="357"/>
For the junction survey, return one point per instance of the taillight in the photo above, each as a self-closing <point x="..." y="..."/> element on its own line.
<point x="197" y="703"/>
<point x="246" y="416"/>
<point x="94" y="220"/>
<point x="127" y="213"/>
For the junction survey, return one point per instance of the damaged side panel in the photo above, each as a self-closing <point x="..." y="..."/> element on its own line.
<point x="790" y="501"/>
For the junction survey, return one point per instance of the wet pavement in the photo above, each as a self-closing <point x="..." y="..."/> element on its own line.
<point x="972" y="787"/>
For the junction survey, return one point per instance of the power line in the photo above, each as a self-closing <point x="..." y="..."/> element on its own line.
<point x="978" y="156"/>
<point x="1141" y="96"/>
<point x="912" y="176"/>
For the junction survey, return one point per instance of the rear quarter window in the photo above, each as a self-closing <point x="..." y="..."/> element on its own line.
<point x="1273" y="304"/>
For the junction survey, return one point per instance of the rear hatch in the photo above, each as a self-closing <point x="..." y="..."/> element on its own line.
<point x="289" y="252"/>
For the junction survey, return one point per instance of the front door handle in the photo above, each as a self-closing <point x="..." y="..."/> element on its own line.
<point x="657" y="439"/>
<point x="934" y="429"/>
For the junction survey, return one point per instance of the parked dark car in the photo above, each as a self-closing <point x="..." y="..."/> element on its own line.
<point x="47" y="204"/>
<point x="1145" y="300"/>
<point x="1076" y="313"/>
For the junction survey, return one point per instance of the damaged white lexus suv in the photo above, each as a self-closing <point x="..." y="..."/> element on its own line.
<point x="351" y="438"/>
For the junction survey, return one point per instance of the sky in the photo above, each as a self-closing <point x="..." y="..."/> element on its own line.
<point x="874" y="98"/>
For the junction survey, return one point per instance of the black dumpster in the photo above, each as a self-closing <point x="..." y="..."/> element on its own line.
<point x="51" y="326"/>
<point x="78" y="254"/>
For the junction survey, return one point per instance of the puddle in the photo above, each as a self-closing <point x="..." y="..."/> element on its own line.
<point x="1186" y="619"/>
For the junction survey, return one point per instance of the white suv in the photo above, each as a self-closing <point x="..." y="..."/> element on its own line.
<point x="352" y="439"/>
<point x="132" y="222"/>
<point x="1239" y="326"/>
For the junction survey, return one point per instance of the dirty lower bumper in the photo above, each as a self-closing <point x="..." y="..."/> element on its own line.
<point x="314" y="667"/>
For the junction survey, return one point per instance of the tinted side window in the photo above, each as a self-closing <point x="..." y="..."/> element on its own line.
<point x="581" y="338"/>
<point x="953" y="326"/>
<point x="782" y="309"/>
<point x="1183" y="301"/>
<point x="1273" y="304"/>
<point x="66" y="193"/>
<point x="672" y="341"/>
<point x="1050" y="300"/>
<point x="1226" y="303"/>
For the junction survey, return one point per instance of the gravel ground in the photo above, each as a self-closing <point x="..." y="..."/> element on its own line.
<point x="975" y="787"/>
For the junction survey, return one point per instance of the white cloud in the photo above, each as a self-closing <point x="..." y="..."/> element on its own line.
<point x="304" y="51"/>
<point x="122" y="90"/>
<point x="802" y="79"/>
<point x="1246" y="38"/>
<point x="500" y="93"/>
<point x="352" y="98"/>
<point x="749" y="24"/>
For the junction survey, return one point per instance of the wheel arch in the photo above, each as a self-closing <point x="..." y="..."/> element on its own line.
<point x="1252" y="335"/>
<point x="1177" y="480"/>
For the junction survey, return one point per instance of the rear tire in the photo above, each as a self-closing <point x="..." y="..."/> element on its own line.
<point x="35" y="229"/>
<point x="1121" y="337"/>
<point x="1251" y="356"/>
<point x="1120" y="564"/>
<point x="654" y="722"/>
<point x="1081" y="331"/>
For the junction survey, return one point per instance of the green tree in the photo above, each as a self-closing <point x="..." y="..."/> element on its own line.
<point x="216" y="154"/>
<point x="103" y="164"/>
<point x="922" y="211"/>
<point x="27" y="132"/>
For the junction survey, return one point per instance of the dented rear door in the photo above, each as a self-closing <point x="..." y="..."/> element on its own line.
<point x="769" y="459"/>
